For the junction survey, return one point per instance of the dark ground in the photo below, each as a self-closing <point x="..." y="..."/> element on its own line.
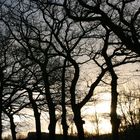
<point x="132" y="133"/>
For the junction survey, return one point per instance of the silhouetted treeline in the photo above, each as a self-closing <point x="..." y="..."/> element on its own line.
<point x="44" y="47"/>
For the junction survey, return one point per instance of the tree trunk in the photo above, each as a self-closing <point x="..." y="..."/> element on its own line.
<point x="52" y="124"/>
<point x="97" y="124"/>
<point x="79" y="123"/>
<point x="115" y="121"/>
<point x="36" y="115"/>
<point x="75" y="107"/>
<point x="64" y="121"/>
<point x="12" y="127"/>
<point x="64" y="126"/>
<point x="51" y="105"/>
<point x="38" y="125"/>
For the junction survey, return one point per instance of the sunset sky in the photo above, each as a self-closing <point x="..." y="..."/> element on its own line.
<point x="101" y="107"/>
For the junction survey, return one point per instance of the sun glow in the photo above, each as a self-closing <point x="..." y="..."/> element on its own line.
<point x="91" y="114"/>
<point x="97" y="115"/>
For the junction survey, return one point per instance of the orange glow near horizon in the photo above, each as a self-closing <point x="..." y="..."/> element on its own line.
<point x="88" y="113"/>
<point x="102" y="110"/>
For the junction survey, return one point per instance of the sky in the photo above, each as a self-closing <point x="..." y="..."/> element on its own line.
<point x="26" y="123"/>
<point x="128" y="79"/>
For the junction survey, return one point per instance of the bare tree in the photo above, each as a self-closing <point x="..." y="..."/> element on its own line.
<point x="13" y="99"/>
<point x="53" y="44"/>
<point x="4" y="65"/>
<point x="63" y="102"/>
<point x="129" y="106"/>
<point x="34" y="49"/>
<point x="119" y="16"/>
<point x="114" y="117"/>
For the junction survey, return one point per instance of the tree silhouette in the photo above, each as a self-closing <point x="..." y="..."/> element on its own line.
<point x="49" y="46"/>
<point x="119" y="16"/>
